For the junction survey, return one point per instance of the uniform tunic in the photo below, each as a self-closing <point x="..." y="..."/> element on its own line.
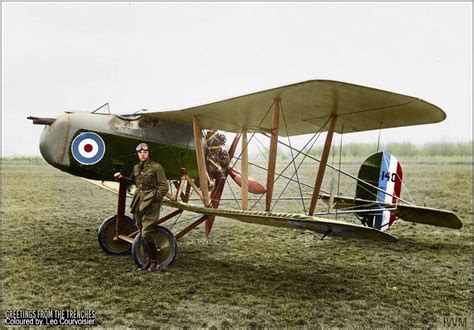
<point x="150" y="180"/>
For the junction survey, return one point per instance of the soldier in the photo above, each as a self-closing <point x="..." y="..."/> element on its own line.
<point x="150" y="180"/>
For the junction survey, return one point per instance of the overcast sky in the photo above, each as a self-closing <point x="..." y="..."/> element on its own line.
<point x="163" y="56"/>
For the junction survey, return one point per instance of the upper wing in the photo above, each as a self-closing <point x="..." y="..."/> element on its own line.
<point x="307" y="106"/>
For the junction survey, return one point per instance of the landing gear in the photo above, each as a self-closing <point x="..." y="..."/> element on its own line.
<point x="118" y="234"/>
<point x="166" y="246"/>
<point x="107" y="235"/>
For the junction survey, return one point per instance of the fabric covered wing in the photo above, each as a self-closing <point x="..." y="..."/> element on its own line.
<point x="285" y="220"/>
<point x="293" y="221"/>
<point x="107" y="185"/>
<point x="307" y="106"/>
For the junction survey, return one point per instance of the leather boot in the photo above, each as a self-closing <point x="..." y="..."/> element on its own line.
<point x="154" y="266"/>
<point x="147" y="253"/>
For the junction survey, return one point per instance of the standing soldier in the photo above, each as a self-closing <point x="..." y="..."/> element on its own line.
<point x="151" y="186"/>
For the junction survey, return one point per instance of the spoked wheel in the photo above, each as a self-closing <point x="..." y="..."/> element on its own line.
<point x="166" y="247"/>
<point x="106" y="236"/>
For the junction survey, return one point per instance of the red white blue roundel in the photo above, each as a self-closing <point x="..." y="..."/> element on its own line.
<point x="88" y="148"/>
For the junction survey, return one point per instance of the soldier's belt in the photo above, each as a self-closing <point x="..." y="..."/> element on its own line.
<point x="146" y="187"/>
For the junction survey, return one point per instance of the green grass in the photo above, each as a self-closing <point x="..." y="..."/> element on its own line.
<point x="246" y="275"/>
<point x="23" y="160"/>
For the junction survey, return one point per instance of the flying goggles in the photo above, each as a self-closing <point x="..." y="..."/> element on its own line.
<point x="142" y="146"/>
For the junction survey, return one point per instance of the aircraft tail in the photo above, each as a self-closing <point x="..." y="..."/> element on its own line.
<point x="382" y="170"/>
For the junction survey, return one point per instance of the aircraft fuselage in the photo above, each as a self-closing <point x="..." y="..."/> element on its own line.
<point x="95" y="146"/>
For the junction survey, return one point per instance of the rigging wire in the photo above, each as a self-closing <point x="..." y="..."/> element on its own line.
<point x="406" y="188"/>
<point x="317" y="135"/>
<point x="282" y="175"/>
<point x="176" y="220"/>
<point x="352" y="177"/>
<point x="340" y="162"/>
<point x="266" y="152"/>
<point x="297" y="168"/>
<point x="380" y="133"/>
<point x="292" y="158"/>
<point x="180" y="162"/>
<point x="260" y="150"/>
<point x="331" y="179"/>
<point x="253" y="134"/>
<point x="233" y="194"/>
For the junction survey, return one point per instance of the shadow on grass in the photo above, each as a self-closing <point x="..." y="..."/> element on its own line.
<point x="408" y="244"/>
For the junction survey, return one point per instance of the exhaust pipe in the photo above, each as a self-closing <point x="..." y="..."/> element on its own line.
<point x="41" y="121"/>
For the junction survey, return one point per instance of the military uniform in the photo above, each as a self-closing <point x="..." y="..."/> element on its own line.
<point x="150" y="180"/>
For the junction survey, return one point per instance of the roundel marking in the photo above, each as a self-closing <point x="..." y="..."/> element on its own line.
<point x="88" y="148"/>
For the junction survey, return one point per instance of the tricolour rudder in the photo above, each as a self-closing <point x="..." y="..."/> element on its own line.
<point x="382" y="170"/>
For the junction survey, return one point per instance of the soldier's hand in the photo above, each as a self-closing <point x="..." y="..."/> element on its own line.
<point x="118" y="176"/>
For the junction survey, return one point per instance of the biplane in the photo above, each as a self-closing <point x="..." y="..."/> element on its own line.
<point x="190" y="145"/>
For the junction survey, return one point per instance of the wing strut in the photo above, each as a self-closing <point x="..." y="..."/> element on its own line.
<point x="273" y="153"/>
<point x="322" y="166"/>
<point x="200" y="161"/>
<point x="122" y="195"/>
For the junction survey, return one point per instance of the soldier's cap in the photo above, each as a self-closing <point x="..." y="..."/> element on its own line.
<point x="142" y="146"/>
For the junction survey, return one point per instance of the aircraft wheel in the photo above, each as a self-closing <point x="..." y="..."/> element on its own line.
<point x="165" y="243"/>
<point x="106" y="236"/>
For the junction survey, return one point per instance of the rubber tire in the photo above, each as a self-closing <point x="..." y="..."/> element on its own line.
<point x="106" y="234"/>
<point x="165" y="242"/>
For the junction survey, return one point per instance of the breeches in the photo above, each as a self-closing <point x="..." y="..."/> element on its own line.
<point x="147" y="221"/>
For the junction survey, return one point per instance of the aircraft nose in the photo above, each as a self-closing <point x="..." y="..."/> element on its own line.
<point x="53" y="140"/>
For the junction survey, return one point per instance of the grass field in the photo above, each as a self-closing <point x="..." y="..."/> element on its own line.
<point x="246" y="275"/>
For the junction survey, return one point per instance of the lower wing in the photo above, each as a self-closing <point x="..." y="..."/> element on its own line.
<point x="323" y="226"/>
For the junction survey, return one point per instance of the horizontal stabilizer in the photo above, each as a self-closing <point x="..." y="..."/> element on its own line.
<point x="428" y="216"/>
<point x="412" y="213"/>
